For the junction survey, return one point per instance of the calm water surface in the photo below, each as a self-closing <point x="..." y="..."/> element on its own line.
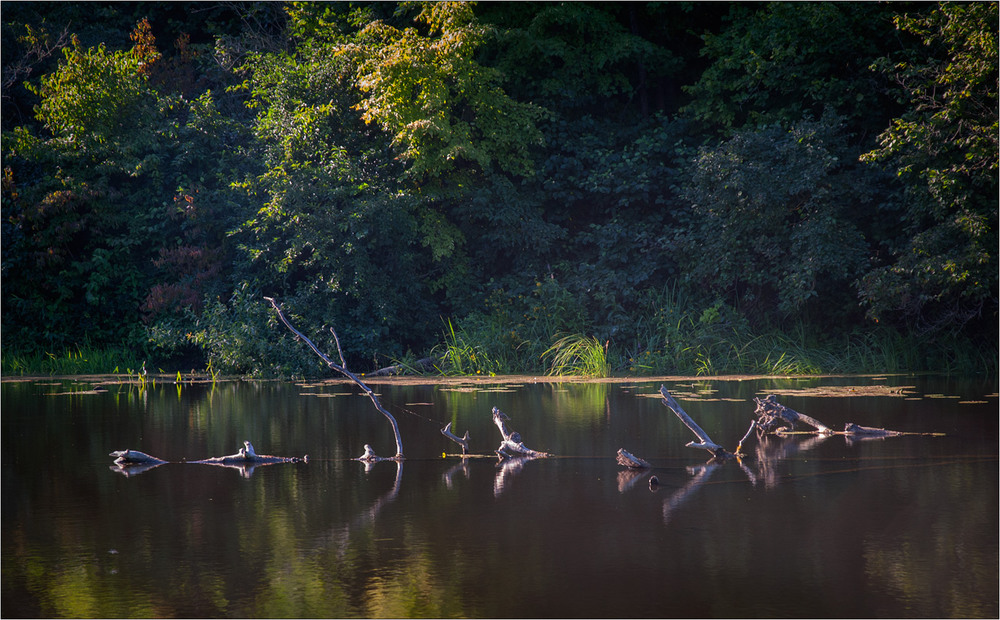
<point x="804" y="526"/>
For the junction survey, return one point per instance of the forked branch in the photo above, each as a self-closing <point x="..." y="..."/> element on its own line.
<point x="342" y="369"/>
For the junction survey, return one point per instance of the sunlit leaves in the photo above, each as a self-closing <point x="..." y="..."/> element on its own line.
<point x="946" y="149"/>
<point x="444" y="110"/>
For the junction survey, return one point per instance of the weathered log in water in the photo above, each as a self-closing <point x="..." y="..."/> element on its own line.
<point x="705" y="442"/>
<point x="246" y="455"/>
<point x="854" y="429"/>
<point x="627" y="459"/>
<point x="772" y="416"/>
<point x="512" y="439"/>
<point x="127" y="456"/>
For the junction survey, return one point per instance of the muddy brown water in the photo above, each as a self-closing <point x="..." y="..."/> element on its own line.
<point x="802" y="527"/>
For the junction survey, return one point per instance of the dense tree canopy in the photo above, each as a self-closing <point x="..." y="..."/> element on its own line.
<point x="651" y="175"/>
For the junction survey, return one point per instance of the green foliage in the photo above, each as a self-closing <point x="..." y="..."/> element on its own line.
<point x="780" y="61"/>
<point x="773" y="209"/>
<point x="241" y="336"/>
<point x="79" y="360"/>
<point x="335" y="235"/>
<point x="573" y="57"/>
<point x="446" y="112"/>
<point x="529" y="170"/>
<point x="576" y="354"/>
<point x="944" y="268"/>
<point x="98" y="97"/>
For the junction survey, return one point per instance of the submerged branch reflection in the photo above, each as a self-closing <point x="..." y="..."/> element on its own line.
<point x="507" y="469"/>
<point x="701" y="474"/>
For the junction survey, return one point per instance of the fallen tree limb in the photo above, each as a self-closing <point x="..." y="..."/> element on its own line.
<point x="123" y="457"/>
<point x="705" y="442"/>
<point x="511" y="439"/>
<point x="772" y="415"/>
<point x="462" y="441"/>
<point x="866" y="431"/>
<point x="247" y="455"/>
<point x="626" y="459"/>
<point x="342" y="369"/>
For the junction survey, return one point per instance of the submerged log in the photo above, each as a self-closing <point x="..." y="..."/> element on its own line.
<point x="462" y="441"/>
<point x="705" y="442"/>
<point x="124" y="457"/>
<point x="772" y="416"/>
<point x="626" y="459"/>
<point x="512" y="439"/>
<point x="853" y="429"/>
<point x="247" y="455"/>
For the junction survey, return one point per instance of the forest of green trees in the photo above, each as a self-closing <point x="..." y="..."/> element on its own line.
<point x="635" y="188"/>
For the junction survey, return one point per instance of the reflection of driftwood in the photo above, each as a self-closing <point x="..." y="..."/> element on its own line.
<point x="705" y="442"/>
<point x="511" y="439"/>
<point x="507" y="468"/>
<point x="626" y="459"/>
<point x="462" y="441"/>
<point x="134" y="469"/>
<point x="627" y="478"/>
<point x="461" y="466"/>
<point x="773" y="449"/>
<point x="772" y="415"/>
<point x="701" y="474"/>
<point x="342" y="369"/>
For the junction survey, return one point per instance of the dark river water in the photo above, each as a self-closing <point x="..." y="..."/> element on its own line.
<point x="802" y="526"/>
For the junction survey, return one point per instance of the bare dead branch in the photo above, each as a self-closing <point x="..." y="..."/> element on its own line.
<point x="341" y="368"/>
<point x="705" y="442"/>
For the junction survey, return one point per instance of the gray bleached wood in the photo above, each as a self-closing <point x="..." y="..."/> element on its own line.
<point x="772" y="415"/>
<point x="342" y="369"/>
<point x="705" y="442"/>
<point x="511" y="439"/>
<point x="627" y="459"/>
<point x="462" y="441"/>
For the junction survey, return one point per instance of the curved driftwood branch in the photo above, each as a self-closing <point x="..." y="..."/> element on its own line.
<point x="705" y="442"/>
<point x="342" y="369"/>
<point x="462" y="441"/>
